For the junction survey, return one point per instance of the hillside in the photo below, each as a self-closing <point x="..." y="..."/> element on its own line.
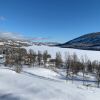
<point x="31" y="86"/>
<point x="89" y="41"/>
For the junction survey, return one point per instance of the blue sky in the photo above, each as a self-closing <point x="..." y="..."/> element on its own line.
<point x="50" y="20"/>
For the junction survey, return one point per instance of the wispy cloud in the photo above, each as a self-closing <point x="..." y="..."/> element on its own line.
<point x="11" y="35"/>
<point x="39" y="38"/>
<point x="2" y="18"/>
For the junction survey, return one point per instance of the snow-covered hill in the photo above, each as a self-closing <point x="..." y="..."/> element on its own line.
<point x="89" y="41"/>
<point x="29" y="85"/>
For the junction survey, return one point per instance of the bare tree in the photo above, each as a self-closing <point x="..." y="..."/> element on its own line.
<point x="34" y="57"/>
<point x="94" y="66"/>
<point x="58" y="60"/>
<point x="67" y="63"/>
<point x="30" y="56"/>
<point x="75" y="64"/>
<point x="39" y="58"/>
<point x="89" y="66"/>
<point x="84" y="60"/>
<point x="98" y="74"/>
<point x="74" y="60"/>
<point x="45" y="57"/>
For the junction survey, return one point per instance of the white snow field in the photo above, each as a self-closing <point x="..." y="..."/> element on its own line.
<point x="41" y="84"/>
<point x="92" y="55"/>
<point x="44" y="84"/>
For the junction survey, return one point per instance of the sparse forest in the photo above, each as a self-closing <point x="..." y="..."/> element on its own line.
<point x="16" y="58"/>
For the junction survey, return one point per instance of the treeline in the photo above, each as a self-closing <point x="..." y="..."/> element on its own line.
<point x="74" y="65"/>
<point x="17" y="57"/>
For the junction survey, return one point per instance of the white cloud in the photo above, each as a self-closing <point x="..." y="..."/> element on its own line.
<point x="11" y="35"/>
<point x="2" y="18"/>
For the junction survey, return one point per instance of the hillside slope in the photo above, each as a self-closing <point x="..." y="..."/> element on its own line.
<point x="29" y="86"/>
<point x="89" y="41"/>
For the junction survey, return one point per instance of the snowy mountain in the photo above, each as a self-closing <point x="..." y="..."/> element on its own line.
<point x="14" y="42"/>
<point x="89" y="41"/>
<point x="23" y="42"/>
<point x="46" y="43"/>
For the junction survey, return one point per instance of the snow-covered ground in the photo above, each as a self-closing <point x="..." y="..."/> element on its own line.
<point x="92" y="55"/>
<point x="41" y="84"/>
<point x="45" y="84"/>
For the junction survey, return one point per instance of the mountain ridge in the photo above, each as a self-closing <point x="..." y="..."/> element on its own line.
<point x="90" y="41"/>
